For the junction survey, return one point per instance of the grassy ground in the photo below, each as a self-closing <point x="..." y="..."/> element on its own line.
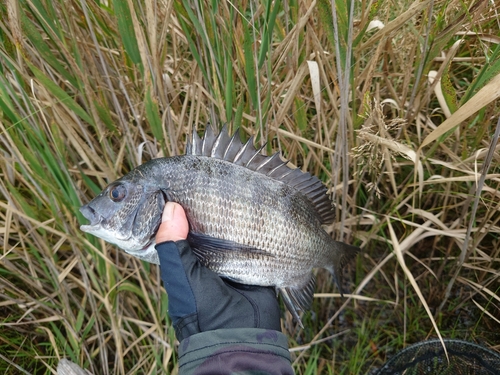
<point x="398" y="119"/>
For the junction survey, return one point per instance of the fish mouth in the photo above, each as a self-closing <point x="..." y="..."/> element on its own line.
<point x="91" y="215"/>
<point x="144" y="248"/>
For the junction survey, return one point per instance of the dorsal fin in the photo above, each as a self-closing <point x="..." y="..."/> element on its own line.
<point x="208" y="141"/>
<point x="231" y="149"/>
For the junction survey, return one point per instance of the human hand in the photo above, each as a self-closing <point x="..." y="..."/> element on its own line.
<point x="174" y="225"/>
<point x="198" y="299"/>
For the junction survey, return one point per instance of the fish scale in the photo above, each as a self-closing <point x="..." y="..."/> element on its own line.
<point x="253" y="219"/>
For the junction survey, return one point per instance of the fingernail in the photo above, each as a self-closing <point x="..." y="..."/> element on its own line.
<point x="168" y="212"/>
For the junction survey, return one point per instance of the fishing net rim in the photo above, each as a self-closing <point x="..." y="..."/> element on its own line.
<point x="454" y="346"/>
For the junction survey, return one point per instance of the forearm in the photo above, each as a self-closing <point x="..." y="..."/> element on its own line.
<point x="223" y="327"/>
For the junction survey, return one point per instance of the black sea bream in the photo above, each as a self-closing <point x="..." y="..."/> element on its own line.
<point x="252" y="218"/>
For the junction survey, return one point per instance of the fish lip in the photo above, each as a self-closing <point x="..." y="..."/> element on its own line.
<point x="90" y="228"/>
<point x="145" y="247"/>
<point x="91" y="215"/>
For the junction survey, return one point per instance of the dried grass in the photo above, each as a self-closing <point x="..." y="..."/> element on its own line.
<point x="89" y="90"/>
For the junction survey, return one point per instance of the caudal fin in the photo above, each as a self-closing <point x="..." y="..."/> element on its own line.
<point x="300" y="299"/>
<point x="342" y="254"/>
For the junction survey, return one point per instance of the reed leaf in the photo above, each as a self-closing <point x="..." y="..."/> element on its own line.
<point x="90" y="89"/>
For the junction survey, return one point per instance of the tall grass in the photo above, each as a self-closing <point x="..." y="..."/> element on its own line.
<point x="396" y="116"/>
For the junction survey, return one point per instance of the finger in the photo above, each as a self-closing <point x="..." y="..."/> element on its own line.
<point x="174" y="225"/>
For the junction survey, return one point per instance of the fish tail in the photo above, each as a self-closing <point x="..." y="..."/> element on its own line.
<point x="340" y="256"/>
<point x="299" y="298"/>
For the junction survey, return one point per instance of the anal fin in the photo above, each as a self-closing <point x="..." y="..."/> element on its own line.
<point x="299" y="299"/>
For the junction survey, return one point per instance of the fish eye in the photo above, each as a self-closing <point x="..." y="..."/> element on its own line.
<point x="117" y="193"/>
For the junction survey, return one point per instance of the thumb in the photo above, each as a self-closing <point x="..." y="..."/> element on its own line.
<point x="174" y="225"/>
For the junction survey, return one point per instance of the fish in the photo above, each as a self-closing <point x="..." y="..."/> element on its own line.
<point x="253" y="219"/>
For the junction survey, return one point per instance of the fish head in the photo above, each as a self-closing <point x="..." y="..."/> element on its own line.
<point x="128" y="215"/>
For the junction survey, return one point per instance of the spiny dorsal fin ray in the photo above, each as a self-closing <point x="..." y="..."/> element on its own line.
<point x="194" y="146"/>
<point x="208" y="141"/>
<point x="245" y="154"/>
<point x="256" y="159"/>
<point x="280" y="171"/>
<point x="221" y="144"/>
<point x="231" y="149"/>
<point x="270" y="163"/>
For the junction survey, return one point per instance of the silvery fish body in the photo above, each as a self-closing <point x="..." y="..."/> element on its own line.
<point x="252" y="218"/>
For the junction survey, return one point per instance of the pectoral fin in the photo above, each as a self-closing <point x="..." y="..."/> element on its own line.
<point x="203" y="245"/>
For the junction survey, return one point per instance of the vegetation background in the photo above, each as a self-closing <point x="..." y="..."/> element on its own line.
<point x="393" y="104"/>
